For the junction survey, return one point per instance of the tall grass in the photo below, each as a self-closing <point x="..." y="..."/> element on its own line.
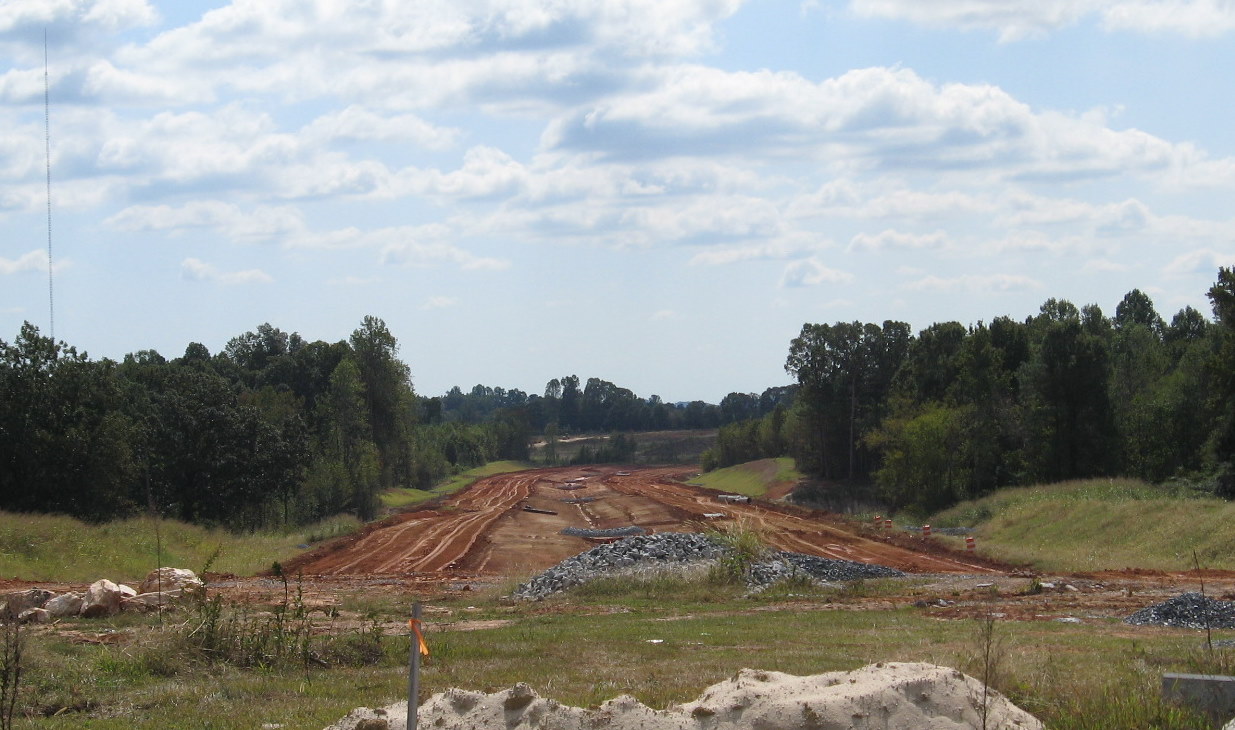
<point x="1100" y="524"/>
<point x="59" y="548"/>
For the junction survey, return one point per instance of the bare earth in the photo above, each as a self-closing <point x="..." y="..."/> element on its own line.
<point x="486" y="530"/>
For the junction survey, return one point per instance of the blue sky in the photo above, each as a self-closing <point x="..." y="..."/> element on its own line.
<point x="654" y="192"/>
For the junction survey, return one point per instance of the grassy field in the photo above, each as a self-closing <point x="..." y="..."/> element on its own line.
<point x="1100" y="524"/>
<point x="58" y="548"/>
<point x="590" y="647"/>
<point x="753" y="478"/>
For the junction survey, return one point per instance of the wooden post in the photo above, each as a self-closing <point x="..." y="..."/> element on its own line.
<point x="413" y="678"/>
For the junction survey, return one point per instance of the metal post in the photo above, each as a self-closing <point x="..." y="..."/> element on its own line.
<point x="413" y="679"/>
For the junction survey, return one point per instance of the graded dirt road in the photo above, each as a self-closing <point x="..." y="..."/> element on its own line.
<point x="510" y="525"/>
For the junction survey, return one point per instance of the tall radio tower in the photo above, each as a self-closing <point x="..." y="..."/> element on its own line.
<point x="51" y="298"/>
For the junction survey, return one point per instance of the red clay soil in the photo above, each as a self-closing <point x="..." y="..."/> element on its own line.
<point x="484" y="530"/>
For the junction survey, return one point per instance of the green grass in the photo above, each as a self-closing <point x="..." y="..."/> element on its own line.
<point x="583" y="649"/>
<point x="59" y="548"/>
<point x="752" y="479"/>
<point x="1099" y="524"/>
<point x="396" y="499"/>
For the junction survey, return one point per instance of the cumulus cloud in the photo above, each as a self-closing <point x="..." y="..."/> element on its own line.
<point x="23" y="21"/>
<point x="881" y="119"/>
<point x="192" y="269"/>
<point x="812" y="272"/>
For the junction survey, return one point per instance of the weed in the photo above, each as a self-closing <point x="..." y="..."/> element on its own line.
<point x="743" y="548"/>
<point x="10" y="670"/>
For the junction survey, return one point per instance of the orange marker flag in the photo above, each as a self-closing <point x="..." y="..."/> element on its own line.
<point x="420" y="637"/>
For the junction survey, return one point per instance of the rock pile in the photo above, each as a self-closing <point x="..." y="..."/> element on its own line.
<point x="671" y="549"/>
<point x="783" y="565"/>
<point x="1189" y="611"/>
<point x="161" y="589"/>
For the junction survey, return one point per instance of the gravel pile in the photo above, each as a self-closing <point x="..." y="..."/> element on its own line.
<point x="788" y="565"/>
<point x="608" y="532"/>
<point x="682" y="549"/>
<point x="1187" y="611"/>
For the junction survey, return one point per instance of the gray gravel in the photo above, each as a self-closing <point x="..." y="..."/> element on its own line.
<point x="1188" y="610"/>
<point x="681" y="549"/>
<point x="608" y="532"/>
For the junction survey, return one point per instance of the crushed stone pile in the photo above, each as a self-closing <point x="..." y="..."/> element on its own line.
<point x="667" y="549"/>
<point x="1189" y="611"/>
<point x="785" y="565"/>
<point x="889" y="696"/>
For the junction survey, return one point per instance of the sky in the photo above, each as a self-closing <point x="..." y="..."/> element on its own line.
<point x="658" y="193"/>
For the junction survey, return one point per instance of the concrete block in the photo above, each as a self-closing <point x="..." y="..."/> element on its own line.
<point x="1211" y="694"/>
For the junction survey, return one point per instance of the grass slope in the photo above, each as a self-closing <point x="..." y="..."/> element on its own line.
<point x="59" y="548"/>
<point x="754" y="478"/>
<point x="1098" y="525"/>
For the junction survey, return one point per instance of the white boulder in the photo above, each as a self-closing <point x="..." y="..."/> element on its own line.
<point x="64" y="605"/>
<point x="167" y="579"/>
<point x="102" y="599"/>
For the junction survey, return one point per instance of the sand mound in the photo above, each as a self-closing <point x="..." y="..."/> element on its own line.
<point x="886" y="696"/>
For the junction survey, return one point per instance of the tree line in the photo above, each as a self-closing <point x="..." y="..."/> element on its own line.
<point x="957" y="411"/>
<point x="272" y="429"/>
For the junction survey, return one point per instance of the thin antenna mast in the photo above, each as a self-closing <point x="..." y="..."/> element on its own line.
<point x="51" y="298"/>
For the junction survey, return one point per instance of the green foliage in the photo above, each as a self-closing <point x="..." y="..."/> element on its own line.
<point x="743" y="548"/>
<point x="957" y="412"/>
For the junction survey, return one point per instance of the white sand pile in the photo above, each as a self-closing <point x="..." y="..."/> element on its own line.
<point x="885" y="696"/>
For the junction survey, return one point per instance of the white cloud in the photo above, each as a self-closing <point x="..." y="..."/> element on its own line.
<point x="439" y="303"/>
<point x="985" y="284"/>
<point x="890" y="239"/>
<point x="1014" y="19"/>
<point x="1199" y="261"/>
<point x="881" y="119"/>
<point x="30" y="261"/>
<point x="1104" y="266"/>
<point x="1193" y="18"/>
<point x="413" y="253"/>
<point x="355" y="123"/>
<point x="664" y="315"/>
<point x="779" y="249"/>
<point x="812" y="272"/>
<point x="1019" y="19"/>
<point x="260" y="223"/>
<point x="192" y="269"/>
